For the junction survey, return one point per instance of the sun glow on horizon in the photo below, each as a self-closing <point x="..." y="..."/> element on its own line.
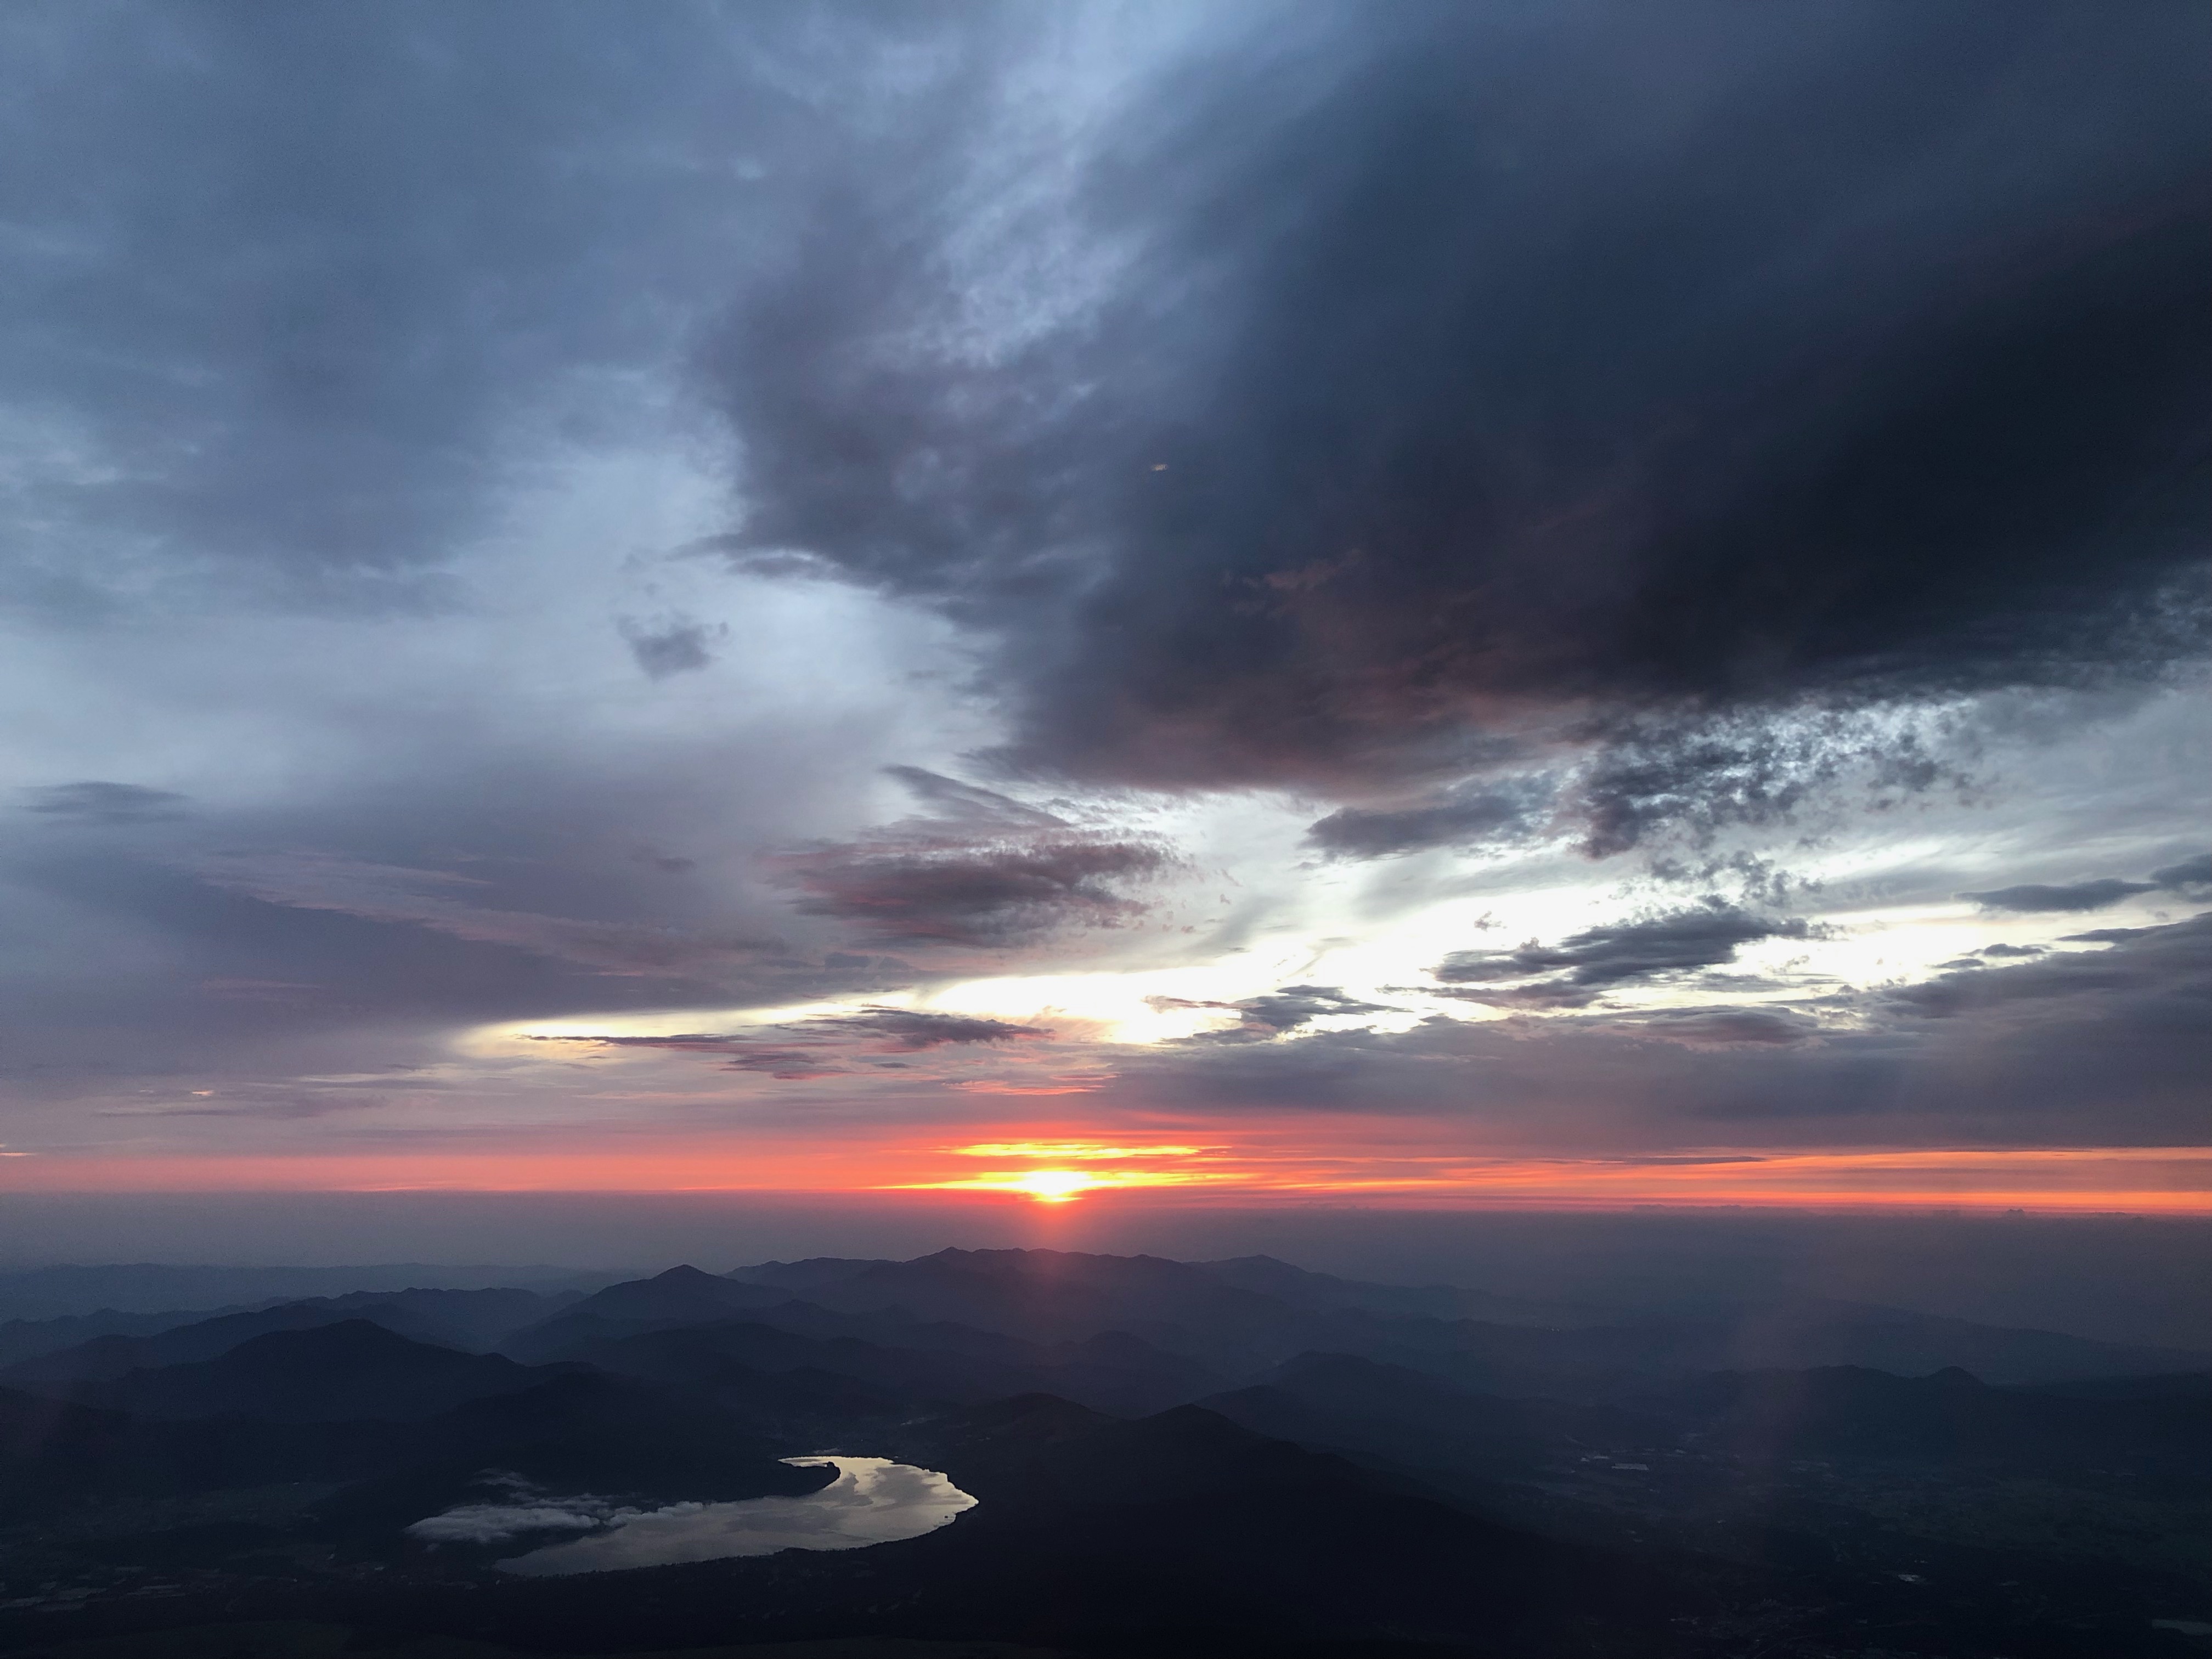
<point x="1080" y="1150"/>
<point x="1054" y="1186"/>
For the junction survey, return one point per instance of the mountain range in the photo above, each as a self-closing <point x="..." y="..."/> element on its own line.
<point x="1164" y="1456"/>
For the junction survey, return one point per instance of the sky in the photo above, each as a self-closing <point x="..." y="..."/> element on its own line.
<point x="1506" y="605"/>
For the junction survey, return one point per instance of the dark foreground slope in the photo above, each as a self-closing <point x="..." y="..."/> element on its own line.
<point x="1178" y="1533"/>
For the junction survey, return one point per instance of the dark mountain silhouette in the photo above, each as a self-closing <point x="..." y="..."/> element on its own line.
<point x="683" y="1292"/>
<point x="1361" y="1469"/>
<point x="1301" y="1288"/>
<point x="1179" y="1534"/>
<point x="60" y="1451"/>
<point x="350" y="1372"/>
<point x="49" y="1444"/>
<point x="1094" y="1530"/>
<point x="588" y="1433"/>
<point x="895" y="1328"/>
<point x="2160" y="1385"/>
<point x="28" y="1339"/>
<point x="1595" y="1362"/>
<point x="575" y="1433"/>
<point x="1047" y="1296"/>
<point x="708" y="1354"/>
<point x="1116" y="1372"/>
<point x="1950" y="1417"/>
<point x="1184" y="1308"/>
<point x="801" y="1406"/>
<point x="149" y="1287"/>
<point x="1809" y="1333"/>
<point x="1423" y="1425"/>
<point x="682" y="1296"/>
<point x="569" y="1432"/>
<point x="470" y="1320"/>
<point x="910" y="1359"/>
<point x="473" y="1320"/>
<point x="799" y="1278"/>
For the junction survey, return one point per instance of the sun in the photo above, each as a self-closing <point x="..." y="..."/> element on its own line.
<point x="1065" y="1169"/>
<point x="1053" y="1186"/>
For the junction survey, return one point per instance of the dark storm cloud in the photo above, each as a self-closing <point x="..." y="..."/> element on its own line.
<point x="2110" y="936"/>
<point x="1262" y="1018"/>
<point x="95" y="802"/>
<point x="676" y="645"/>
<point x="1705" y="774"/>
<point x="2097" y="895"/>
<point x="832" y="1045"/>
<point x="1584" y="965"/>
<point x="2190" y="872"/>
<point x="2152" y="977"/>
<point x="1462" y="818"/>
<point x="1745" y="876"/>
<point x="982" y="871"/>
<point x="2118" y="1040"/>
<point x="1538" y="996"/>
<point x="955" y="892"/>
<point x="906" y="1030"/>
<point x="1467" y="365"/>
<point x="2079" y="896"/>
<point x="1724" y="1027"/>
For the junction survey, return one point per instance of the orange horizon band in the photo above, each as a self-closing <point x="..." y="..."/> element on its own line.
<point x="2164" y="1179"/>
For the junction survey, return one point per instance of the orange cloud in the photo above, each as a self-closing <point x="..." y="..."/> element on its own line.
<point x="1082" y="1149"/>
<point x="993" y="1086"/>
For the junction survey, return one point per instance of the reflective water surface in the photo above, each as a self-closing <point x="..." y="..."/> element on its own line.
<point x="871" y="1501"/>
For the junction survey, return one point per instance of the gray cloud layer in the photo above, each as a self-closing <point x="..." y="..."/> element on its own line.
<point x="2098" y="895"/>
<point x="2109" y="1045"/>
<point x="93" y="802"/>
<point x="984" y="870"/>
<point x="1489" y="425"/>
<point x="1583" y="966"/>
<point x="1471" y="362"/>
<point x="829" y="1045"/>
<point x="283" y="282"/>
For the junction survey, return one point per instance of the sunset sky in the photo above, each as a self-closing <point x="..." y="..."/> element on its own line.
<point x="1544" y="605"/>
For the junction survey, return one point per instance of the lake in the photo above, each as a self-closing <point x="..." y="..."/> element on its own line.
<point x="871" y="1501"/>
